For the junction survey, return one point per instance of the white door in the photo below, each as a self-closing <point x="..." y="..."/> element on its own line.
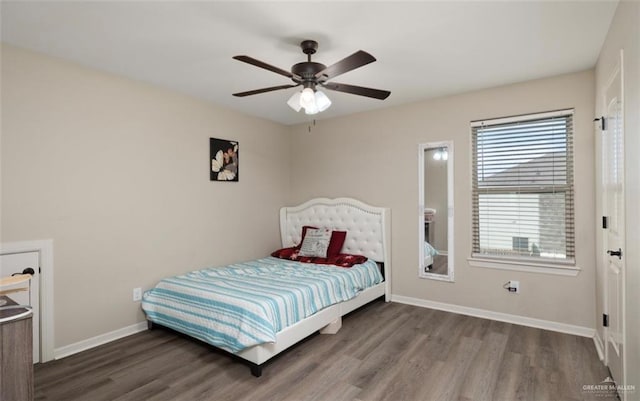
<point x="614" y="236"/>
<point x="16" y="263"/>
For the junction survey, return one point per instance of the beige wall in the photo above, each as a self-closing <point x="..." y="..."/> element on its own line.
<point x="116" y="173"/>
<point x="624" y="33"/>
<point x="373" y="157"/>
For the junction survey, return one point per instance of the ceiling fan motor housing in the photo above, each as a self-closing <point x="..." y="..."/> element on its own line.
<point x="307" y="70"/>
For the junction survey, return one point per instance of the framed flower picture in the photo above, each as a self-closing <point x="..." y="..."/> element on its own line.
<point x="224" y="160"/>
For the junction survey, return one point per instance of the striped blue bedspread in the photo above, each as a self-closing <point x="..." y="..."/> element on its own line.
<point x="245" y="304"/>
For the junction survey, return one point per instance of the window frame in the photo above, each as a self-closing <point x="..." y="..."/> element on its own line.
<point x="523" y="263"/>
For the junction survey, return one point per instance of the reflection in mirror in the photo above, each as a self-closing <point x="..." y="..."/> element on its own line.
<point x="435" y="215"/>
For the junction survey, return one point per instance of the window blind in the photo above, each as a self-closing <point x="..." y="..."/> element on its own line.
<point x="523" y="187"/>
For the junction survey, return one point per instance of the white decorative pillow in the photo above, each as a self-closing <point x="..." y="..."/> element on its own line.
<point x="315" y="243"/>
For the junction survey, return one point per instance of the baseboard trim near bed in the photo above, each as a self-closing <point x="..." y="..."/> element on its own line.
<point x="93" y="342"/>
<point x="599" y="345"/>
<point x="499" y="316"/>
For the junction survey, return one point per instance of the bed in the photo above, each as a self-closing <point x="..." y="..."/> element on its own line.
<point x="254" y="340"/>
<point x="429" y="253"/>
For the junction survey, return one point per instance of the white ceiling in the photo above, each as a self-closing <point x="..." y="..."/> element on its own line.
<point x="424" y="49"/>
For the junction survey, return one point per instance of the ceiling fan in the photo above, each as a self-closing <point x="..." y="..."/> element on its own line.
<point x="310" y="75"/>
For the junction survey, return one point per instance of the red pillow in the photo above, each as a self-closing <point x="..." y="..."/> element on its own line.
<point x="286" y="253"/>
<point x="335" y="243"/>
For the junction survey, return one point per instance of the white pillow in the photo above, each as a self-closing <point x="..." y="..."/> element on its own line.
<point x="315" y="243"/>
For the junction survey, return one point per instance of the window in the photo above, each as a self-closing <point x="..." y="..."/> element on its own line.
<point x="523" y="188"/>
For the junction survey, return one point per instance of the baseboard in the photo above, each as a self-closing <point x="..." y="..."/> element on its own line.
<point x="89" y="343"/>
<point x="599" y="345"/>
<point x="499" y="316"/>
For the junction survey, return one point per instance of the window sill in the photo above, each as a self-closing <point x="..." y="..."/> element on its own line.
<point x="529" y="267"/>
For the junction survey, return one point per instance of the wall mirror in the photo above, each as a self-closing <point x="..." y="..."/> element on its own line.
<point x="435" y="211"/>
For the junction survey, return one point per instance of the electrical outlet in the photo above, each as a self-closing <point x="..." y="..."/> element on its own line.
<point x="514" y="286"/>
<point x="137" y="294"/>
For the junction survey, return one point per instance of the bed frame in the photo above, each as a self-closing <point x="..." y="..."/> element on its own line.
<point x="368" y="233"/>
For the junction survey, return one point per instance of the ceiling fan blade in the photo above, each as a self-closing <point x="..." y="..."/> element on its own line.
<point x="356" y="60"/>
<point x="357" y="90"/>
<point x="263" y="90"/>
<point x="261" y="64"/>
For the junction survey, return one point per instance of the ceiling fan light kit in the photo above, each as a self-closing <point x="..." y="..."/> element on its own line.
<point x="310" y="74"/>
<point x="307" y="98"/>
<point x="312" y="101"/>
<point x="322" y="101"/>
<point x="294" y="101"/>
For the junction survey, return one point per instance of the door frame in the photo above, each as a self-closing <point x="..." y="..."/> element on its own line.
<point x="45" y="249"/>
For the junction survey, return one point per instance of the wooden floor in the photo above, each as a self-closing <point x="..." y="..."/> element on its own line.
<point x="439" y="265"/>
<point x="383" y="352"/>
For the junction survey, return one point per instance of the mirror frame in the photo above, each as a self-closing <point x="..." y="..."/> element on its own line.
<point x="421" y="188"/>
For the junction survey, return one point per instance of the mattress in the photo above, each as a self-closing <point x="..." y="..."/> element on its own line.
<point x="246" y="304"/>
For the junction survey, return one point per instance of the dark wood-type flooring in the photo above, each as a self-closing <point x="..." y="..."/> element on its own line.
<point x="439" y="265"/>
<point x="384" y="351"/>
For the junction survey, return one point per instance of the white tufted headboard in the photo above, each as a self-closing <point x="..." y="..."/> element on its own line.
<point x="368" y="227"/>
